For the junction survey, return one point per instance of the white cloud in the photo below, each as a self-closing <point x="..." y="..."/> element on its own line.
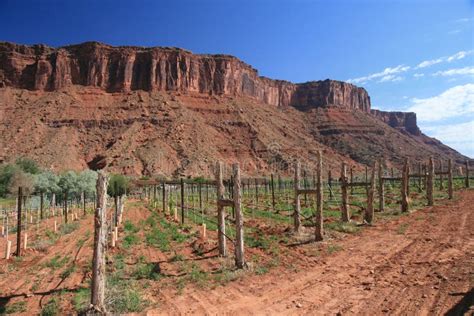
<point x="463" y="20"/>
<point x="455" y="72"/>
<point x="458" y="136"/>
<point x="418" y="75"/>
<point x="383" y="74"/>
<point x="459" y="55"/>
<point x="454" y="102"/>
<point x="390" y="78"/>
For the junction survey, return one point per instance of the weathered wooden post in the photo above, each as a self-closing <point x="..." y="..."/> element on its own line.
<point x="450" y="179"/>
<point x="441" y="177"/>
<point x="100" y="244"/>
<point x="296" y="214"/>
<point x="351" y="170"/>
<point x="369" y="211"/>
<point x="164" y="200"/>
<point x="345" y="206"/>
<point x="466" y="182"/>
<point x="420" y="189"/>
<point x="18" y="223"/>
<point x="239" y="218"/>
<point x="429" y="182"/>
<point x="220" y="211"/>
<point x="404" y="186"/>
<point x="182" y="201"/>
<point x="330" y="184"/>
<point x="366" y="180"/>
<point x="41" y="205"/>
<point x="381" y="186"/>
<point x="272" y="187"/>
<point x="84" y="202"/>
<point x="319" y="229"/>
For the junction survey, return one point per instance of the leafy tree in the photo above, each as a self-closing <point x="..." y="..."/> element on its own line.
<point x="86" y="181"/>
<point x="118" y="185"/>
<point x="22" y="179"/>
<point x="6" y="174"/>
<point x="68" y="181"/>
<point x="28" y="165"/>
<point x="47" y="181"/>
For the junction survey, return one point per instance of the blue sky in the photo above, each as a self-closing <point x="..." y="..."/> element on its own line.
<point x="409" y="54"/>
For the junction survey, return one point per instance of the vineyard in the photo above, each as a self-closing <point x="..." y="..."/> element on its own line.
<point x="108" y="243"/>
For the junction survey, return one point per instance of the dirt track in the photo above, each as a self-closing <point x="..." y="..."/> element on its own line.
<point x="417" y="264"/>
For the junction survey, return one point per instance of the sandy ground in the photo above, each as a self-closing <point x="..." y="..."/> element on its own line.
<point x="419" y="264"/>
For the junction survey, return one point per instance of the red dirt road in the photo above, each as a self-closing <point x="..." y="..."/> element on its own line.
<point x="417" y="264"/>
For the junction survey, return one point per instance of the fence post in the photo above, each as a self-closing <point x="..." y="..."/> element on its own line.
<point x="18" y="225"/>
<point x="404" y="186"/>
<point x="319" y="231"/>
<point x="65" y="205"/>
<point x="345" y="207"/>
<point x="182" y="201"/>
<point x="296" y="214"/>
<point x="220" y="211"/>
<point x="330" y="184"/>
<point x="239" y="218"/>
<point x="441" y="177"/>
<point x="272" y="187"/>
<point x="467" y="174"/>
<point x="381" y="186"/>
<point x="100" y="243"/>
<point x="369" y="211"/>
<point x="429" y="182"/>
<point x="450" y="179"/>
<point x="352" y="178"/>
<point x="420" y="189"/>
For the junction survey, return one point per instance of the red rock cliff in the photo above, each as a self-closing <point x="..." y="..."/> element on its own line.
<point x="405" y="121"/>
<point x="114" y="69"/>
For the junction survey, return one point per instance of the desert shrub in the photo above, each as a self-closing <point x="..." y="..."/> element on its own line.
<point x="51" y="308"/>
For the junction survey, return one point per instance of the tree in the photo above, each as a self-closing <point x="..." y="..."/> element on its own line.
<point x="6" y="174"/>
<point x="118" y="185"/>
<point x="28" y="165"/>
<point x="68" y="182"/>
<point x="47" y="182"/>
<point x="22" y="179"/>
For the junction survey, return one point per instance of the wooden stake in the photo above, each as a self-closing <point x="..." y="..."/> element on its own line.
<point x="429" y="182"/>
<point x="100" y="244"/>
<point x="220" y="211"/>
<point x="8" y="249"/>
<point x="18" y="231"/>
<point x="404" y="186"/>
<point x="381" y="186"/>
<point x="450" y="179"/>
<point x="319" y="229"/>
<point x="25" y="241"/>
<point x="239" y="219"/>
<point x="296" y="214"/>
<point x="55" y="226"/>
<point x="203" y="231"/>
<point x="182" y="201"/>
<point x="369" y="211"/>
<point x="175" y="212"/>
<point x="345" y="216"/>
<point x="466" y="181"/>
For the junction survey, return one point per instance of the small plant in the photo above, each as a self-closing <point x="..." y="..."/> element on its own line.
<point x="51" y="308"/>
<point x="68" y="271"/>
<point x="148" y="271"/>
<point x="56" y="262"/>
<point x="130" y="240"/>
<point x="334" y="248"/>
<point x="129" y="227"/>
<point x="69" y="228"/>
<point x="13" y="308"/>
<point x="402" y="228"/>
<point x="81" y="300"/>
<point x="261" y="270"/>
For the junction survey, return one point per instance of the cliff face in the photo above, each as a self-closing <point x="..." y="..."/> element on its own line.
<point x="123" y="69"/>
<point x="405" y="121"/>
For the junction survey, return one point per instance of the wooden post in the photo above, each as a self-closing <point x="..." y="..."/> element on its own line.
<point x="239" y="219"/>
<point x="41" y="205"/>
<point x="369" y="211"/>
<point x="345" y="207"/>
<point x="65" y="205"/>
<point x="8" y="249"/>
<point x="441" y="177"/>
<point x="100" y="244"/>
<point x="18" y="230"/>
<point x="420" y="172"/>
<point x="182" y="201"/>
<point x="450" y="179"/>
<point x="352" y="179"/>
<point x="330" y="184"/>
<point x="366" y="180"/>
<point x="319" y="229"/>
<point x="220" y="211"/>
<point x="296" y="214"/>
<point x="429" y="182"/>
<point x="84" y="202"/>
<point x="25" y="241"/>
<point x="272" y="187"/>
<point x="164" y="197"/>
<point x="404" y="187"/>
<point x="466" y="182"/>
<point x="200" y="196"/>
<point x="381" y="186"/>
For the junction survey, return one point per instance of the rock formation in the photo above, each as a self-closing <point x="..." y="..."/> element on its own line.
<point x="404" y="121"/>
<point x="123" y="69"/>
